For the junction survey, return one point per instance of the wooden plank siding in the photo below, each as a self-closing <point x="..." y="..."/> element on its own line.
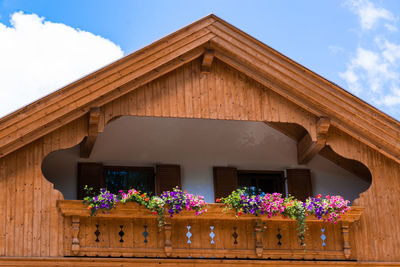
<point x="224" y="93"/>
<point x="32" y="225"/>
<point x="377" y="234"/>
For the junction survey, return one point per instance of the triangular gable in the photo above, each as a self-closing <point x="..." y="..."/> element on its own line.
<point x="230" y="45"/>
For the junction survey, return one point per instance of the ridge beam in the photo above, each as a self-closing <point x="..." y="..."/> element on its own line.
<point x="93" y="129"/>
<point x="308" y="148"/>
<point x="208" y="58"/>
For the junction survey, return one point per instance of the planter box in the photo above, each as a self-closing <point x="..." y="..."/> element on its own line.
<point x="131" y="230"/>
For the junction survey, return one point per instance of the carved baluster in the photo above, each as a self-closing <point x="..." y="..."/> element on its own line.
<point x="259" y="232"/>
<point x="346" y="244"/>
<point x="75" y="234"/>
<point x="167" y="234"/>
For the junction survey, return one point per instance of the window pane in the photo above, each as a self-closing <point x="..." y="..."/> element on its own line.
<point x="260" y="182"/>
<point x="130" y="178"/>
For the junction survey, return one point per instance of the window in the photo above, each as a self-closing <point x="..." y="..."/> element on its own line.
<point x="116" y="178"/>
<point x="261" y="182"/>
<point x="228" y="179"/>
<point x="124" y="178"/>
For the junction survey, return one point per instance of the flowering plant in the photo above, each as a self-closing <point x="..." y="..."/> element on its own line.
<point x="175" y="200"/>
<point x="328" y="209"/>
<point x="103" y="201"/>
<point x="331" y="206"/>
<point x="241" y="202"/>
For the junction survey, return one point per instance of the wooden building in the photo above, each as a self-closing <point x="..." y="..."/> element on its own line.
<point x="206" y="108"/>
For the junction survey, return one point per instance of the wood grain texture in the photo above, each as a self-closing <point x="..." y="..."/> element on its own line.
<point x="377" y="234"/>
<point x="83" y="262"/>
<point x="32" y="226"/>
<point x="126" y="225"/>
<point x="224" y="93"/>
<point x="257" y="60"/>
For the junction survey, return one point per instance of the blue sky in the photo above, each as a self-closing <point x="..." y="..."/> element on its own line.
<point x="353" y="43"/>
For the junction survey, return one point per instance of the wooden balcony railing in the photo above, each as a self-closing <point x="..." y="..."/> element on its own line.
<point x="132" y="231"/>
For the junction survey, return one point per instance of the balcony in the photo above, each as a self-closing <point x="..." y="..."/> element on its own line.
<point x="132" y="231"/>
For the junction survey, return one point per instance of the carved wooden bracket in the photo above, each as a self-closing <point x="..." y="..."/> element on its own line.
<point x="346" y="243"/>
<point x="167" y="240"/>
<point x="93" y="129"/>
<point x="307" y="148"/>
<point x="208" y="58"/>
<point x="259" y="233"/>
<point x="75" y="221"/>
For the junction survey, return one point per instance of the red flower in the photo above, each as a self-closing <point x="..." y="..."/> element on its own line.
<point x="143" y="195"/>
<point x="218" y="200"/>
<point x="319" y="196"/>
<point x="90" y="207"/>
<point x="154" y="212"/>
<point x="239" y="213"/>
<point x="146" y="199"/>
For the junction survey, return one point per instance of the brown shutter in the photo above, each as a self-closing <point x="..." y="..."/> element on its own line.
<point x="225" y="181"/>
<point x="90" y="174"/>
<point x="299" y="183"/>
<point x="167" y="177"/>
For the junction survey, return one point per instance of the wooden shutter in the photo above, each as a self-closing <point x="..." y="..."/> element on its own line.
<point x="167" y="177"/>
<point x="90" y="174"/>
<point x="299" y="183"/>
<point x="225" y="181"/>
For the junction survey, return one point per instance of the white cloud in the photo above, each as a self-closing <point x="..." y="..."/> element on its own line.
<point x="370" y="15"/>
<point x="391" y="27"/>
<point x="390" y="51"/>
<point x="39" y="56"/>
<point x="374" y="71"/>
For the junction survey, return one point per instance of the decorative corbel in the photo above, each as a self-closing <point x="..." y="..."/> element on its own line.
<point x="208" y="58"/>
<point x="307" y="148"/>
<point x="93" y="129"/>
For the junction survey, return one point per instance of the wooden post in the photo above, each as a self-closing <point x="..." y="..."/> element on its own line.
<point x="259" y="231"/>
<point x="167" y="234"/>
<point x="346" y="244"/>
<point x="75" y="234"/>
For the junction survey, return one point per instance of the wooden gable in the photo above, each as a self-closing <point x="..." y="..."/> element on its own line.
<point x="230" y="45"/>
<point x="246" y="80"/>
